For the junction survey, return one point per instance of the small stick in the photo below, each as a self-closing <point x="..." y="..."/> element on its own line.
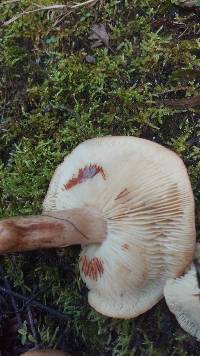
<point x="60" y="338"/>
<point x="52" y="312"/>
<point x="32" y="327"/>
<point x="7" y="285"/>
<point x="49" y="8"/>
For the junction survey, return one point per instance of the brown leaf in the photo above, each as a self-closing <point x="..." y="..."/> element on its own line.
<point x="99" y="35"/>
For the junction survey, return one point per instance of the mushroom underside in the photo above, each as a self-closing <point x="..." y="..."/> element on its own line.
<point x="129" y="203"/>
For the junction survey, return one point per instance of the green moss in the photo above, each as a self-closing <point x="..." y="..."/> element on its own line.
<point x="51" y="100"/>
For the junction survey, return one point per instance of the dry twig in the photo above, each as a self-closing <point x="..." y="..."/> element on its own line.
<point x="51" y="312"/>
<point x="14" y="304"/>
<point x="55" y="7"/>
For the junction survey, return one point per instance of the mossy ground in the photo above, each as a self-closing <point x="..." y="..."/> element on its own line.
<point x="51" y="99"/>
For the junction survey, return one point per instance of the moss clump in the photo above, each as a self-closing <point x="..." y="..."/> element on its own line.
<point x="52" y="99"/>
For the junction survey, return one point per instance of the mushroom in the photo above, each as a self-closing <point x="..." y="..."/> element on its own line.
<point x="44" y="352"/>
<point x="129" y="203"/>
<point x="182" y="296"/>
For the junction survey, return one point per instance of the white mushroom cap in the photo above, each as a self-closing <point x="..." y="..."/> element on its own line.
<point x="144" y="194"/>
<point x="183" y="299"/>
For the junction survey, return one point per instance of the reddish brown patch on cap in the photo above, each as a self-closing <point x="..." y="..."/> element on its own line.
<point x="125" y="247"/>
<point x="122" y="194"/>
<point x="84" y="174"/>
<point x="92" y="268"/>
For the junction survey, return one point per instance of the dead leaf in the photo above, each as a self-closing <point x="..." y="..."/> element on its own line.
<point x="90" y="59"/>
<point x="99" y="35"/>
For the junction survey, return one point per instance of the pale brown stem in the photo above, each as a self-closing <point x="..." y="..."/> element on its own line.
<point x="52" y="229"/>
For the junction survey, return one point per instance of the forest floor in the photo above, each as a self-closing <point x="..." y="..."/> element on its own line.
<point x="59" y="87"/>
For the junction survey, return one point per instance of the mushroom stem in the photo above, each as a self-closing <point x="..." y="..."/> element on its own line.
<point x="52" y="229"/>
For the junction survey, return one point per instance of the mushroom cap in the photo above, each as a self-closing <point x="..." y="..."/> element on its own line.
<point x="143" y="192"/>
<point x="45" y="352"/>
<point x="182" y="296"/>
